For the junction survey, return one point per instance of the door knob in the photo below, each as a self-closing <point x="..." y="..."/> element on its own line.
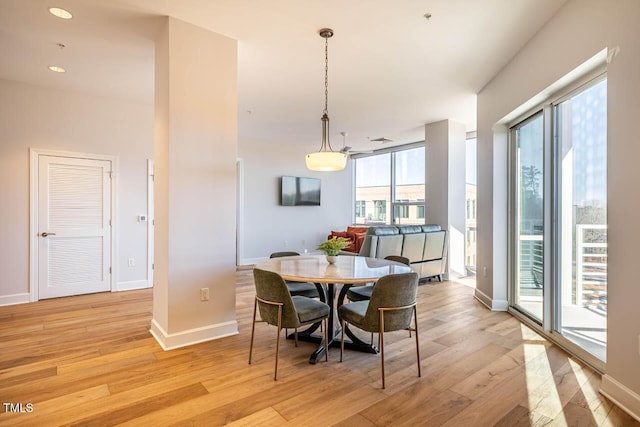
<point x="45" y="234"/>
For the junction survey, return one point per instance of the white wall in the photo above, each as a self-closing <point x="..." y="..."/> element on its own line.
<point x="37" y="117"/>
<point x="267" y="225"/>
<point x="578" y="31"/>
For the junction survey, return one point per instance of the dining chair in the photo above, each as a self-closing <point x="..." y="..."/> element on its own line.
<point x="303" y="289"/>
<point x="363" y="293"/>
<point x="391" y="307"/>
<point x="278" y="308"/>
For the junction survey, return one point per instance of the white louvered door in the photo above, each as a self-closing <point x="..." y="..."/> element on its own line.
<point x="74" y="213"/>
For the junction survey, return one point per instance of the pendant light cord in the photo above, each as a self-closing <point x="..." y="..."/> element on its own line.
<point x="326" y="74"/>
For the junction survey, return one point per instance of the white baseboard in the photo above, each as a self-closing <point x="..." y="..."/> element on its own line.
<point x="625" y="398"/>
<point x="492" y="304"/>
<point x="14" y="299"/>
<point x="192" y="336"/>
<point x="132" y="285"/>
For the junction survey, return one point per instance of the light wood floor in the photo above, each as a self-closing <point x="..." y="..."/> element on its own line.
<point x="90" y="360"/>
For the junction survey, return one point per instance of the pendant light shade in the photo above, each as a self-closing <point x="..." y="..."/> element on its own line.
<point x="326" y="160"/>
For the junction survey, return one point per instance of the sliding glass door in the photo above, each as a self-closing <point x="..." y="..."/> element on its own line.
<point x="581" y="137"/>
<point x="558" y="230"/>
<point x="528" y="141"/>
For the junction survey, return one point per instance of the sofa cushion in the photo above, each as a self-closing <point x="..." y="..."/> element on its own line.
<point x="434" y="245"/>
<point x="413" y="246"/>
<point x="388" y="230"/>
<point x="410" y="229"/>
<point x="389" y="245"/>
<point x="431" y="227"/>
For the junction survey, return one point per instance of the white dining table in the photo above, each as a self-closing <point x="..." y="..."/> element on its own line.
<point x="347" y="271"/>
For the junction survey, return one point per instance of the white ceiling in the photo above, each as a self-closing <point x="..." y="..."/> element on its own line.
<point x="390" y="69"/>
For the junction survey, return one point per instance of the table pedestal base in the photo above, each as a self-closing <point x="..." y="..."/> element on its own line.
<point x="335" y="331"/>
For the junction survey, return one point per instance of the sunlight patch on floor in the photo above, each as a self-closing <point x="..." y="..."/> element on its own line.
<point x="537" y="371"/>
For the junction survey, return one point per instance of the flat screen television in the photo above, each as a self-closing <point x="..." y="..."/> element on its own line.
<point x="299" y="191"/>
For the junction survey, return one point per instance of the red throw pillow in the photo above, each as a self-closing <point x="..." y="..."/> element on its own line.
<point x="357" y="229"/>
<point x="358" y="239"/>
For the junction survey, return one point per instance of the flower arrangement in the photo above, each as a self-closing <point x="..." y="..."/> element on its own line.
<point x="333" y="246"/>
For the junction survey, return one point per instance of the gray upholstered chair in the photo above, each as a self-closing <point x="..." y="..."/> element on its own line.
<point x="363" y="293"/>
<point x="303" y="289"/>
<point x="278" y="308"/>
<point x="391" y="307"/>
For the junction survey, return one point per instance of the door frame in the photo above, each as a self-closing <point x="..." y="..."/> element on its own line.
<point x="150" y="221"/>
<point x="34" y="154"/>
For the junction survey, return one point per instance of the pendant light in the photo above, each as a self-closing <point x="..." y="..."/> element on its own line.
<point x="326" y="159"/>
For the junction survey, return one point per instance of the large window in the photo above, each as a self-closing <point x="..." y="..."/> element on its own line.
<point x="379" y="210"/>
<point x="390" y="187"/>
<point x="558" y="191"/>
<point x="471" y="198"/>
<point x="361" y="209"/>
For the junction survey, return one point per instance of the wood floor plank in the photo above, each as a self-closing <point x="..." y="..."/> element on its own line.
<point x="356" y="420"/>
<point x="523" y="417"/>
<point x="419" y="406"/>
<point x="49" y="409"/>
<point x="551" y="397"/>
<point x="115" y="416"/>
<point x="265" y="418"/>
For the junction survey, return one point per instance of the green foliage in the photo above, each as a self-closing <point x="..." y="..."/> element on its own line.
<point x="334" y="246"/>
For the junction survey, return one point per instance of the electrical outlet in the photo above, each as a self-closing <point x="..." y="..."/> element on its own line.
<point x="204" y="294"/>
<point x="484" y="271"/>
<point x="286" y="243"/>
<point x="132" y="262"/>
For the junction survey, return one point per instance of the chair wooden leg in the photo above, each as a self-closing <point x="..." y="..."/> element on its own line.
<point x="275" y="373"/>
<point x="342" y="323"/>
<point x="415" y="320"/>
<point x="381" y="339"/>
<point x="295" y="335"/>
<point x="253" y="329"/>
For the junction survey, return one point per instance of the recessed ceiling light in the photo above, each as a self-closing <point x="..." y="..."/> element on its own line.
<point x="57" y="69"/>
<point x="60" y="13"/>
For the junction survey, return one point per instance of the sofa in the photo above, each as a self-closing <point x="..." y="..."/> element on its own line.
<point x="354" y="234"/>
<point x="424" y="245"/>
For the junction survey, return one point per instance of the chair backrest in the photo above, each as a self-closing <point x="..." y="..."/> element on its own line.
<point x="394" y="290"/>
<point x="398" y="258"/>
<point x="281" y="254"/>
<point x="271" y="286"/>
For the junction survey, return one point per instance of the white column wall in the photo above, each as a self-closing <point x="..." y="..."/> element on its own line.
<point x="445" y="151"/>
<point x="195" y="185"/>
